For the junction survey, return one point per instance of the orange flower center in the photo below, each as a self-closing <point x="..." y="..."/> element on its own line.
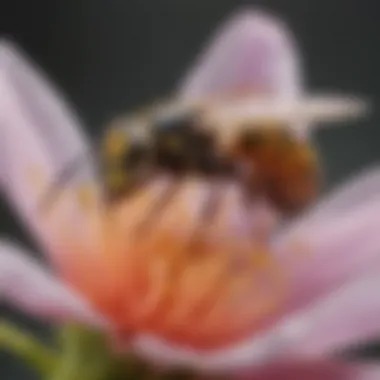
<point x="200" y="279"/>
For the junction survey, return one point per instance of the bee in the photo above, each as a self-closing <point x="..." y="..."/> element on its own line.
<point x="174" y="144"/>
<point x="275" y="163"/>
<point x="267" y="161"/>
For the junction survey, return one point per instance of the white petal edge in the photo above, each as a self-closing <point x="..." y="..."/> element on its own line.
<point x="30" y="287"/>
<point x="248" y="37"/>
<point x="40" y="136"/>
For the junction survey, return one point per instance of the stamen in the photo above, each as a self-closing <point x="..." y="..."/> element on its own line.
<point x="199" y="284"/>
<point x="157" y="284"/>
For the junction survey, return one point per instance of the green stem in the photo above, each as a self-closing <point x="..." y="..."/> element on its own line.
<point x="27" y="347"/>
<point x="87" y="356"/>
<point x="84" y="355"/>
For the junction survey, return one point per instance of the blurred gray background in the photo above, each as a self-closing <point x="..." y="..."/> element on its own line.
<point x="111" y="55"/>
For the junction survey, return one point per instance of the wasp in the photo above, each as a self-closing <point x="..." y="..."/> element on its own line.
<point x="268" y="161"/>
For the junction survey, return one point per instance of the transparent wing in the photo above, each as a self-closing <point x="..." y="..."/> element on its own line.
<point x="254" y="53"/>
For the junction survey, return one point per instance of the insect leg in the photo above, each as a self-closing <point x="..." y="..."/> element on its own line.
<point x="163" y="200"/>
<point x="63" y="178"/>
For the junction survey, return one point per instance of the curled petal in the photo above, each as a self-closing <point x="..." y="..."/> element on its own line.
<point x="40" y="137"/>
<point x="31" y="288"/>
<point x="251" y="51"/>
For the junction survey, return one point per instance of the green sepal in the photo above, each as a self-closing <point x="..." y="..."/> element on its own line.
<point x="86" y="355"/>
<point x="33" y="352"/>
<point x="83" y="354"/>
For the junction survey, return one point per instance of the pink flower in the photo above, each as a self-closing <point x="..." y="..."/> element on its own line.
<point x="268" y="309"/>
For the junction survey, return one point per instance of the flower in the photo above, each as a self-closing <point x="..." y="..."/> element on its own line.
<point x="217" y="296"/>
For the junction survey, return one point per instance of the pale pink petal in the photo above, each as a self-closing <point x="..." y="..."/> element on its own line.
<point x="349" y="315"/>
<point x="322" y="370"/>
<point x="39" y="138"/>
<point x="252" y="50"/>
<point x="29" y="286"/>
<point x="359" y="188"/>
<point x="253" y="352"/>
<point x="334" y="242"/>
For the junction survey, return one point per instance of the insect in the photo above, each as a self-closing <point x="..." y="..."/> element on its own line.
<point x="275" y="163"/>
<point x="174" y="144"/>
<point x="279" y="165"/>
<point x="267" y="160"/>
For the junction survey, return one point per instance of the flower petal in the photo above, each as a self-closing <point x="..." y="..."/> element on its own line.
<point x="338" y="239"/>
<point x="252" y="49"/>
<point x="354" y="240"/>
<point x="349" y="315"/>
<point x="252" y="353"/>
<point x="361" y="187"/>
<point x="31" y="288"/>
<point x="322" y="370"/>
<point x="39" y="137"/>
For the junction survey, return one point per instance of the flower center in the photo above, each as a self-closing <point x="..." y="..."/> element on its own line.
<point x="192" y="269"/>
